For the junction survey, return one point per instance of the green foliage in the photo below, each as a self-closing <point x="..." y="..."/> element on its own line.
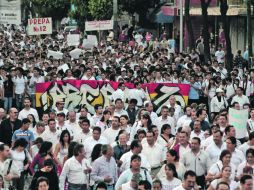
<point x="101" y="9"/>
<point x="56" y="9"/>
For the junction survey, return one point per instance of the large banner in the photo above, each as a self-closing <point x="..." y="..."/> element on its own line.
<point x="38" y="26"/>
<point x="238" y="118"/>
<point x="77" y="93"/>
<point x="10" y="12"/>
<point x="99" y="25"/>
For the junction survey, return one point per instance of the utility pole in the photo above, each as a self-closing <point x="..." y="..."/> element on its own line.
<point x="181" y="25"/>
<point x="249" y="33"/>
<point x="115" y="10"/>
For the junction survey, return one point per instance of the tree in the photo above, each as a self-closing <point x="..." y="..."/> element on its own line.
<point x="101" y="9"/>
<point x="204" y="5"/>
<point x="80" y="12"/>
<point x="225" y="22"/>
<point x="189" y="24"/>
<point x="56" y="9"/>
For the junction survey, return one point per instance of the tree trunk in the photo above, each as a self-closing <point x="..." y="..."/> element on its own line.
<point x="189" y="24"/>
<point x="205" y="32"/>
<point x="225" y="21"/>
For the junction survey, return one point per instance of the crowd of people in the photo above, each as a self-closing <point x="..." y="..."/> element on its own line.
<point x="122" y="147"/>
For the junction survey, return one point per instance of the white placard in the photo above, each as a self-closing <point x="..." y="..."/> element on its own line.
<point x="38" y="26"/>
<point x="76" y="53"/>
<point x="90" y="42"/>
<point x="238" y="118"/>
<point x="10" y="12"/>
<point x="73" y="39"/>
<point x="55" y="54"/>
<point x="99" y="25"/>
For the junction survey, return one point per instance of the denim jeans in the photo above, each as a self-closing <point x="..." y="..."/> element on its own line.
<point x="76" y="187"/>
<point x="7" y="103"/>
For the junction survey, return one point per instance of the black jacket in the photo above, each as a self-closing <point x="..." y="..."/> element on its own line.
<point x="6" y="130"/>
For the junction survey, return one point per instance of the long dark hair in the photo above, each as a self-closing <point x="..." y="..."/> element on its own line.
<point x="61" y="139"/>
<point x="70" y="149"/>
<point x="104" y="113"/>
<point x="45" y="147"/>
<point x="20" y="142"/>
<point x="34" y="122"/>
<point x="96" y="152"/>
<point x="173" y="169"/>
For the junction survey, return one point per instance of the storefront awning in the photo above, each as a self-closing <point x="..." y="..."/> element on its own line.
<point x="161" y="18"/>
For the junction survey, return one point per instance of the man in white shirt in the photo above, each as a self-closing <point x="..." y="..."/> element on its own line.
<point x="165" y="119"/>
<point x="112" y="132"/>
<point x="197" y="160"/>
<point x="97" y="116"/>
<point x="186" y="117"/>
<point x="28" y="110"/>
<point x="62" y="124"/>
<point x="51" y="134"/>
<point x="247" y="145"/>
<point x="137" y="93"/>
<point x="36" y="78"/>
<point x="119" y="93"/>
<point x="149" y="108"/>
<point x="189" y="181"/>
<point x="197" y="132"/>
<point x="135" y="148"/>
<point x="88" y="75"/>
<point x="173" y="104"/>
<point x="96" y="138"/>
<point x="81" y="136"/>
<point x="60" y="107"/>
<point x="214" y="150"/>
<point x="220" y="55"/>
<point x="73" y="122"/>
<point x="159" y="155"/>
<point x="75" y="170"/>
<point x="119" y="108"/>
<point x="240" y="98"/>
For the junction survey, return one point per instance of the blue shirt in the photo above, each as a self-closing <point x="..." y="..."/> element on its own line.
<point x="194" y="91"/>
<point x="26" y="134"/>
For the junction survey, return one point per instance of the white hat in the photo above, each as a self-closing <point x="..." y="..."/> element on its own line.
<point x="219" y="90"/>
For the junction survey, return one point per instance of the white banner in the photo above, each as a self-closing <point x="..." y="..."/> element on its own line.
<point x="10" y="12"/>
<point x="99" y="25"/>
<point x="38" y="26"/>
<point x="90" y="42"/>
<point x="73" y="39"/>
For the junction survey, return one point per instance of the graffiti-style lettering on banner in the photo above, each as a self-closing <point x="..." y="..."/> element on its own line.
<point x="77" y="93"/>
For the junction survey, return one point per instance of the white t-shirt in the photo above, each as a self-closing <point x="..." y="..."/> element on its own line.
<point x="137" y="94"/>
<point x="19" y="84"/>
<point x="220" y="56"/>
<point x="24" y="113"/>
<point x="110" y="134"/>
<point x="169" y="185"/>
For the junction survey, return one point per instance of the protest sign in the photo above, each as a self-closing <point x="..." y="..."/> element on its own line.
<point x="76" y="53"/>
<point x="38" y="26"/>
<point x="238" y="118"/>
<point x="90" y="42"/>
<point x="10" y="12"/>
<point x="99" y="25"/>
<point x="55" y="54"/>
<point x="73" y="39"/>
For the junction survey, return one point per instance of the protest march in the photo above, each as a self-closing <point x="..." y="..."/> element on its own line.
<point x="127" y="111"/>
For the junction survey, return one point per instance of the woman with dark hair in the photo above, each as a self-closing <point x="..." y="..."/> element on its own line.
<point x="21" y="158"/>
<point x="145" y="124"/>
<point x="166" y="133"/>
<point x="225" y="176"/>
<point x="32" y="120"/>
<point x="104" y="123"/>
<point x="248" y="163"/>
<point x="70" y="151"/>
<point x="8" y="92"/>
<point x="216" y="169"/>
<point x="45" y="152"/>
<point x="172" y="158"/>
<point x="48" y="172"/>
<point x="61" y="149"/>
<point x="170" y="181"/>
<point x="42" y="184"/>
